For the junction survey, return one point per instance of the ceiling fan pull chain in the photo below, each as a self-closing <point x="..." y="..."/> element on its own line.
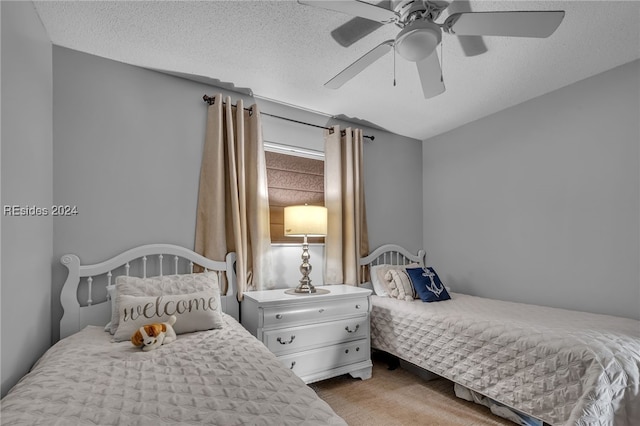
<point x="394" y="67"/>
<point x="442" y="61"/>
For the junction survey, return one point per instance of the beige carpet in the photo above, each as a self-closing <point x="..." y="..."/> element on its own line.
<point x="399" y="398"/>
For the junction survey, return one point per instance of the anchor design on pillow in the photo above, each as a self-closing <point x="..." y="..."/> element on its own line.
<point x="426" y="272"/>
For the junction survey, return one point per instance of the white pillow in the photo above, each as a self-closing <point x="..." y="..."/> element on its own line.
<point x="377" y="279"/>
<point x="194" y="312"/>
<point x="378" y="273"/>
<point x="160" y="286"/>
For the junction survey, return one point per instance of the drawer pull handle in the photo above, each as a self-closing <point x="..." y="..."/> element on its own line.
<point x="279" y="340"/>
<point x="321" y="310"/>
<point x="293" y="363"/>
<point x="354" y="330"/>
<point x="278" y="316"/>
<point x="357" y="306"/>
<point x="346" y="351"/>
<point x="358" y="348"/>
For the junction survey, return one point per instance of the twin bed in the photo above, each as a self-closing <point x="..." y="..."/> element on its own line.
<point x="562" y="367"/>
<point x="222" y="376"/>
<point x="559" y="366"/>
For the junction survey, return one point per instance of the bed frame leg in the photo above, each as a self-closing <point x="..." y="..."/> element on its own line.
<point x="392" y="361"/>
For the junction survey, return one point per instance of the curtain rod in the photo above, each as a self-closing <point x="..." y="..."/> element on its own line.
<point x="211" y="100"/>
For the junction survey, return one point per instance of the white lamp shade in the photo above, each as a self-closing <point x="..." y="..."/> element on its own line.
<point x="305" y="220"/>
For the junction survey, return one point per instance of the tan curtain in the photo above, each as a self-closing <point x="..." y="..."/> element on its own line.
<point x="347" y="239"/>
<point x="233" y="206"/>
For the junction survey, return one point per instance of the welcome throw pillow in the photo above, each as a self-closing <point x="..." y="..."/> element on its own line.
<point x="159" y="286"/>
<point x="194" y="312"/>
<point x="427" y="284"/>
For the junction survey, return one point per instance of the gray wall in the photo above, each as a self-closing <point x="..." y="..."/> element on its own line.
<point x="539" y="203"/>
<point x="26" y="181"/>
<point x="127" y="150"/>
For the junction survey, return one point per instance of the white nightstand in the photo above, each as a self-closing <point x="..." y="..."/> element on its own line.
<point x="317" y="336"/>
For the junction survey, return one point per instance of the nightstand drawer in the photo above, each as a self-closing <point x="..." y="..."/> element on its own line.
<point x="314" y="311"/>
<point x="322" y="359"/>
<point x="295" y="339"/>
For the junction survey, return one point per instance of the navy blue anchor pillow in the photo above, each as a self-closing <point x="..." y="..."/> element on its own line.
<point x="427" y="284"/>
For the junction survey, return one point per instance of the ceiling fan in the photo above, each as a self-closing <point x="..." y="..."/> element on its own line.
<point x="420" y="35"/>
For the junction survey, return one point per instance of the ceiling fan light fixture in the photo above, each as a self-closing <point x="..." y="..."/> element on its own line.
<point x="418" y="40"/>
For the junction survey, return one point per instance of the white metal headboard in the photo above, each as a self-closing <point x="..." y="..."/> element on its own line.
<point x="163" y="257"/>
<point x="390" y="254"/>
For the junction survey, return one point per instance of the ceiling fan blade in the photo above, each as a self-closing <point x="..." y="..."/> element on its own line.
<point x="511" y="24"/>
<point x="355" y="8"/>
<point x="358" y="66"/>
<point x="430" y="76"/>
<point x="472" y="45"/>
<point x="357" y="28"/>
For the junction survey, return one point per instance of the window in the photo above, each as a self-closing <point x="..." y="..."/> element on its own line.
<point x="292" y="180"/>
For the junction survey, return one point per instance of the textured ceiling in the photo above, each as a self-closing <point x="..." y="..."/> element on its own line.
<point x="283" y="51"/>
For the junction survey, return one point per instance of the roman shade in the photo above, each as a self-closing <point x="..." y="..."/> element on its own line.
<point x="292" y="180"/>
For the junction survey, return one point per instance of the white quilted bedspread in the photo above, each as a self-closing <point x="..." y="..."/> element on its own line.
<point x="218" y="377"/>
<point x="563" y="367"/>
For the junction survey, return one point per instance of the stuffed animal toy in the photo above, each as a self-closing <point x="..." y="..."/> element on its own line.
<point x="152" y="336"/>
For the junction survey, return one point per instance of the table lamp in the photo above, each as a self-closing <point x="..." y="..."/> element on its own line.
<point x="305" y="221"/>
